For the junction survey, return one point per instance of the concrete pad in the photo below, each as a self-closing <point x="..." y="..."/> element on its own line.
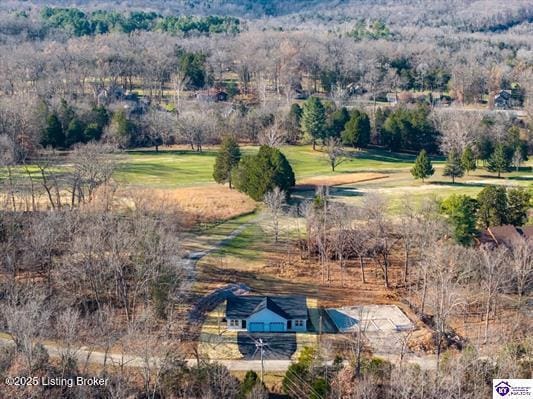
<point x="374" y="318"/>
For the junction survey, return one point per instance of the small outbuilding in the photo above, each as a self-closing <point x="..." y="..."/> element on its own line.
<point x="392" y="98"/>
<point x="212" y="96"/>
<point x="267" y="313"/>
<point x="503" y="99"/>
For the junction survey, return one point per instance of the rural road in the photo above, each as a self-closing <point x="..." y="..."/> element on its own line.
<point x="87" y="356"/>
<point x="83" y="355"/>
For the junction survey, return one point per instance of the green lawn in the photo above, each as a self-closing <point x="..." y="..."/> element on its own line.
<point x="400" y="184"/>
<point x="244" y="245"/>
<point x="185" y="167"/>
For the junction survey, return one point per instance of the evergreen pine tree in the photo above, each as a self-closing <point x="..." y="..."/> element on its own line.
<point x="227" y="158"/>
<point x="499" y="161"/>
<point x="357" y="130"/>
<point x="484" y="148"/>
<point x="250" y="380"/>
<point x="519" y="202"/>
<point x="461" y="210"/>
<point x="468" y="160"/>
<point x="121" y="129"/>
<point x="53" y="134"/>
<point x="75" y="132"/>
<point x="493" y="208"/>
<point x="258" y="174"/>
<point x="423" y="167"/>
<point x="453" y="167"/>
<point x="336" y="122"/>
<point x="313" y="119"/>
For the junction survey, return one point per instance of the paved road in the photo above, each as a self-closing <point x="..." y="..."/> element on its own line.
<point x="85" y="355"/>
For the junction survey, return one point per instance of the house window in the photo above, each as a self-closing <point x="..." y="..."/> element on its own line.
<point x="234" y="323"/>
<point x="298" y="323"/>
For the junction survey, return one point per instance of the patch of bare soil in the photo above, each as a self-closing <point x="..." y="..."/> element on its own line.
<point x="283" y="273"/>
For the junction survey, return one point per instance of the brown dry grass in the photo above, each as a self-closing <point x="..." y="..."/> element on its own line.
<point x="194" y="204"/>
<point x="337" y="180"/>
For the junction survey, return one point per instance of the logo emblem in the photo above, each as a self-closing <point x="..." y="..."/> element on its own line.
<point x="503" y="388"/>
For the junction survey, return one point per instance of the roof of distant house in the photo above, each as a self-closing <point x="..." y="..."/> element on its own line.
<point x="505" y="94"/>
<point x="506" y="234"/>
<point x="288" y="307"/>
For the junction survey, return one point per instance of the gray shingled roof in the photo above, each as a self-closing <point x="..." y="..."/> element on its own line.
<point x="288" y="307"/>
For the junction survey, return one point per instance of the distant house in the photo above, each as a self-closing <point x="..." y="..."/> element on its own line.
<point x="110" y="94"/>
<point x="300" y="94"/>
<point x="392" y="98"/>
<point x="212" y="96"/>
<point x="266" y="313"/>
<point x="354" y="89"/>
<point x="443" y="101"/>
<point x="506" y="235"/>
<point x="503" y="99"/>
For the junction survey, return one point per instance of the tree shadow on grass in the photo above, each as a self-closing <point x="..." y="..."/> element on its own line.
<point x="160" y="170"/>
<point x="345" y="192"/>
<point x="386" y="156"/>
<point x="205" y="153"/>
<point x="308" y="193"/>
<point x="144" y="168"/>
<point x="521" y="178"/>
<point x="457" y="184"/>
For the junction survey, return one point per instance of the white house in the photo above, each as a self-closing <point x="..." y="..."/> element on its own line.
<point x="392" y="98"/>
<point x="266" y="314"/>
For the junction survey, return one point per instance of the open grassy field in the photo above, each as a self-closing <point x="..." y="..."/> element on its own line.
<point x="183" y="167"/>
<point x="184" y="178"/>
<point x="176" y="168"/>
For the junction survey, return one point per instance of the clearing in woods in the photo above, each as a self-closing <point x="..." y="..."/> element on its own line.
<point x="179" y="167"/>
<point x="185" y="178"/>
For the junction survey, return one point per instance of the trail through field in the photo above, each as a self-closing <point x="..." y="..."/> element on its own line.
<point x="197" y="247"/>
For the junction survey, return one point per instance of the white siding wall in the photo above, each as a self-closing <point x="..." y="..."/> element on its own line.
<point x="230" y="327"/>
<point x="295" y="328"/>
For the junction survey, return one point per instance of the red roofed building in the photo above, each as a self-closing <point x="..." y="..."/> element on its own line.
<point x="505" y="235"/>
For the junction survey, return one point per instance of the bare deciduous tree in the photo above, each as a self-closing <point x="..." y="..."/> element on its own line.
<point x="334" y="152"/>
<point x="26" y="318"/>
<point x="493" y="273"/>
<point x="274" y="201"/>
<point x="382" y="236"/>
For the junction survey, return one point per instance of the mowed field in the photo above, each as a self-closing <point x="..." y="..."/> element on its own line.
<point x="363" y="172"/>
<point x="181" y="167"/>
<point x="183" y="178"/>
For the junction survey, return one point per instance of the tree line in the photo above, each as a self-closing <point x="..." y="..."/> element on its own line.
<point x="78" y="23"/>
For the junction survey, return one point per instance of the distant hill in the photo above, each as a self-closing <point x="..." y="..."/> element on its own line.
<point x="251" y="8"/>
<point x="468" y="15"/>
